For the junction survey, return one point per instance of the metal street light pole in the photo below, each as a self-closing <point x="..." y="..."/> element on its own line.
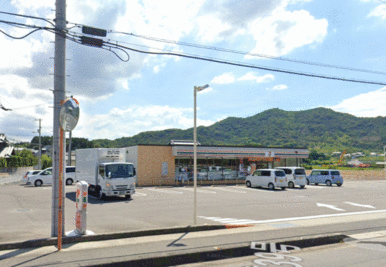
<point x="196" y="89"/>
<point x="384" y="159"/>
<point x="40" y="143"/>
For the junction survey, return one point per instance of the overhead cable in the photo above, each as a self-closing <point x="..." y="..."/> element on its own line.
<point x="240" y="64"/>
<point x="248" y="53"/>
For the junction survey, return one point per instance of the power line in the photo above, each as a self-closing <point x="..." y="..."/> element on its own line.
<point x="210" y="47"/>
<point x="239" y="64"/>
<point x="248" y="53"/>
<point x="26" y="16"/>
<point x="110" y="46"/>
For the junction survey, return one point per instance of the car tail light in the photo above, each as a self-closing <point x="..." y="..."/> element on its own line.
<point x="275" y="179"/>
<point x="25" y="176"/>
<point x="332" y="177"/>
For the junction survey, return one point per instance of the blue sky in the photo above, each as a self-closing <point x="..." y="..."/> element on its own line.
<point x="121" y="99"/>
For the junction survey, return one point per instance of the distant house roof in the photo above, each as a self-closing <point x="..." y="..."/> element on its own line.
<point x="6" y="152"/>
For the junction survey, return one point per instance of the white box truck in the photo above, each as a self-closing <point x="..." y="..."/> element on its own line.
<point x="106" y="171"/>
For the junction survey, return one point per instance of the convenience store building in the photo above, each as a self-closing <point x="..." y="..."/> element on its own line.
<point x="173" y="164"/>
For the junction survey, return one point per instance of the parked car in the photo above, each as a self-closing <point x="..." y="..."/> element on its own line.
<point x="295" y="176"/>
<point x="45" y="177"/>
<point x="24" y="180"/>
<point x="328" y="177"/>
<point x="270" y="178"/>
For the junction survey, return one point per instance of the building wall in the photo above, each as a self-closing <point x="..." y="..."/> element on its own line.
<point x="150" y="164"/>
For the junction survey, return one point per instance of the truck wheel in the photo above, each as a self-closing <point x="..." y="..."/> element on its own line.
<point x="128" y="197"/>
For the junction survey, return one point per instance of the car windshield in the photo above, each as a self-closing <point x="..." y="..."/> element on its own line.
<point x="120" y="171"/>
<point x="280" y="173"/>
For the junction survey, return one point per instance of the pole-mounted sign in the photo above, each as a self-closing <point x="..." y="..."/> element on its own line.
<point x="68" y="119"/>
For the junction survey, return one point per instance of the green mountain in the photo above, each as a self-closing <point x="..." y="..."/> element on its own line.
<point x="321" y="128"/>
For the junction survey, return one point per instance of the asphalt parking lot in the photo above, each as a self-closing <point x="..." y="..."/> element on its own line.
<point x="27" y="209"/>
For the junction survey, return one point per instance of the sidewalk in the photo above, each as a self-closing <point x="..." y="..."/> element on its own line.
<point x="174" y="246"/>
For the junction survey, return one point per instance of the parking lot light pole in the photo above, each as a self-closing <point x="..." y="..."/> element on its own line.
<point x="196" y="89"/>
<point x="384" y="159"/>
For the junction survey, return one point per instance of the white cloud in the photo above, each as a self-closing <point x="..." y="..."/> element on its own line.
<point x="250" y="76"/>
<point x="285" y="31"/>
<point x="207" y="90"/>
<point x="133" y="120"/>
<point x="379" y="11"/>
<point x="224" y="78"/>
<point x="279" y="87"/>
<point x="370" y="104"/>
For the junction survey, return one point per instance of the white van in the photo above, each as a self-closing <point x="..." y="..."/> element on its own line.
<point x="270" y="178"/>
<point x="45" y="177"/>
<point x="295" y="176"/>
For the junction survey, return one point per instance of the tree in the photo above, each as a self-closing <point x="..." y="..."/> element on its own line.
<point x="46" y="162"/>
<point x="27" y="158"/>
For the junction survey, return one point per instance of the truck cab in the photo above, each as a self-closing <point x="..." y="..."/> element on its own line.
<point x="116" y="179"/>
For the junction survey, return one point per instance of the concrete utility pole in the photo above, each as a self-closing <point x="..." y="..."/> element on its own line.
<point x="59" y="96"/>
<point x="40" y="143"/>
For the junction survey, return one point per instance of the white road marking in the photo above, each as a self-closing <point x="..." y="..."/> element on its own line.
<point x="198" y="190"/>
<point x="229" y="220"/>
<point x="260" y="189"/>
<point x="304" y="218"/>
<point x="140" y="194"/>
<point x="229" y="190"/>
<point x="164" y="191"/>
<point x="360" y="205"/>
<point x="328" y="206"/>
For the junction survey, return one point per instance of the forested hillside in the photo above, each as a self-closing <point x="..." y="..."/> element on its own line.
<point x="321" y="129"/>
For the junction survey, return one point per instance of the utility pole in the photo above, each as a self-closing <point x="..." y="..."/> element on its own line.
<point x="59" y="96"/>
<point x="40" y="143"/>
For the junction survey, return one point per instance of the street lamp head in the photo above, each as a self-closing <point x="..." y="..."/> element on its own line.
<point x="200" y="88"/>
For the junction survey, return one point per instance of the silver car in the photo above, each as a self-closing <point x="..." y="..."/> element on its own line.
<point x="24" y="180"/>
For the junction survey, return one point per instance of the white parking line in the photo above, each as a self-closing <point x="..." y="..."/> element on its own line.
<point x="229" y="190"/>
<point x="164" y="191"/>
<point x="360" y="205"/>
<point x="140" y="194"/>
<point x="315" y="187"/>
<point x="300" y="218"/>
<point x="198" y="190"/>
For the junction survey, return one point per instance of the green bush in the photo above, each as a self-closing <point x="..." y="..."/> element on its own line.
<point x="46" y="162"/>
<point x="3" y="163"/>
